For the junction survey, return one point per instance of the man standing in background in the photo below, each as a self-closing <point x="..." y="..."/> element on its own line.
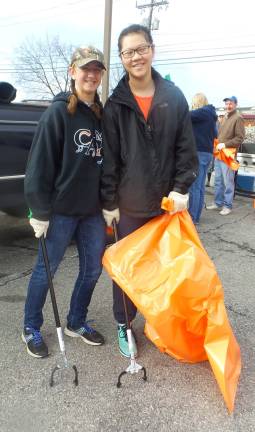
<point x="231" y="135"/>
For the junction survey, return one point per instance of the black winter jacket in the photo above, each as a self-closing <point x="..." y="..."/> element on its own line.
<point x="144" y="161"/>
<point x="64" y="166"/>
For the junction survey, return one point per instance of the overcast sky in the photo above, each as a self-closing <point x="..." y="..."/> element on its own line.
<point x="205" y="45"/>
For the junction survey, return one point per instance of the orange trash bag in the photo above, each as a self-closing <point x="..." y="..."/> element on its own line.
<point x="166" y="272"/>
<point x="226" y="155"/>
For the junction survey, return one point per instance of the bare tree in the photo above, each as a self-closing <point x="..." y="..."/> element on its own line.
<point x="42" y="66"/>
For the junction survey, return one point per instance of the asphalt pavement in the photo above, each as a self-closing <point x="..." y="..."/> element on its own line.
<point x="177" y="397"/>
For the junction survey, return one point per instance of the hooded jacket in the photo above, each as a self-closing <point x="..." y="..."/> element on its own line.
<point x="204" y="127"/>
<point x="144" y="161"/>
<point x="64" y="164"/>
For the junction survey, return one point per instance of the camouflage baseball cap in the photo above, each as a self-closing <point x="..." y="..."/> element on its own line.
<point x="84" y="55"/>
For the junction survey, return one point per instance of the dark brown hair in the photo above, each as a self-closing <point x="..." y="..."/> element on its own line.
<point x="135" y="28"/>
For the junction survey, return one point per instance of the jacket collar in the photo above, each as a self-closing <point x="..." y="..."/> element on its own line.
<point x="123" y="95"/>
<point x="231" y="113"/>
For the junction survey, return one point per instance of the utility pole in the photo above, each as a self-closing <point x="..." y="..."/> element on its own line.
<point x="153" y="4"/>
<point x="107" y="48"/>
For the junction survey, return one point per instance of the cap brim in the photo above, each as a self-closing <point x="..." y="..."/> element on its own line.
<point x="85" y="62"/>
<point x="230" y="99"/>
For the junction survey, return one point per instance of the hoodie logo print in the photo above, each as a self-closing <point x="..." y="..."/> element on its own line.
<point x="89" y="143"/>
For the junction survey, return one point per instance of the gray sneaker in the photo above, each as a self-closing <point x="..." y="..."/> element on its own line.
<point x="87" y="333"/>
<point x="225" y="211"/>
<point x="213" y="207"/>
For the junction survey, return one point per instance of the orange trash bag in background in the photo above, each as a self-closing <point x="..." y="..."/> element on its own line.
<point x="165" y="271"/>
<point x="226" y="155"/>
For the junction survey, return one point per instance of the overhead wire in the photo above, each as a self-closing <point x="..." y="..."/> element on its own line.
<point x="40" y="18"/>
<point x="155" y="63"/>
<point x="38" y="11"/>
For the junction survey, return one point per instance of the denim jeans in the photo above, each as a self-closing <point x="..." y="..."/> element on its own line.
<point x="127" y="225"/>
<point x="197" y="189"/>
<point x="89" y="235"/>
<point x="224" y="185"/>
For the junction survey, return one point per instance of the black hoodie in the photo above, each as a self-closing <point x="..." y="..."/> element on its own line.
<point x="144" y="161"/>
<point x="64" y="164"/>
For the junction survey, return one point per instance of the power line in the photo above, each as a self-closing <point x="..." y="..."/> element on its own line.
<point x="168" y="63"/>
<point x="198" y="59"/>
<point x="208" y="56"/>
<point x="204" y="40"/>
<point x="40" y="18"/>
<point x="203" y="49"/>
<point x="38" y="11"/>
<point x="152" y="5"/>
<point x="161" y="51"/>
<point x="158" y="46"/>
<point x="214" y="57"/>
<point x="205" y="61"/>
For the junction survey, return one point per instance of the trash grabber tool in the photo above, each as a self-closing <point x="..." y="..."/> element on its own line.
<point x="65" y="363"/>
<point x="134" y="367"/>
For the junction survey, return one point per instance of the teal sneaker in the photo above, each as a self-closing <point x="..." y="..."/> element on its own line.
<point x="123" y="341"/>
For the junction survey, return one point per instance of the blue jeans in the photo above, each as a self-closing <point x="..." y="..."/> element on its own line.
<point x="127" y="225"/>
<point x="224" y="185"/>
<point x="197" y="189"/>
<point x="89" y="235"/>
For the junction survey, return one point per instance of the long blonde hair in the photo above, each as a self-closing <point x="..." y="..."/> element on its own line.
<point x="199" y="100"/>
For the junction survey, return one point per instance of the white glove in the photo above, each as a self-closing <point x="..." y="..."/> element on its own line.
<point x="40" y="227"/>
<point x="109" y="215"/>
<point x="180" y="201"/>
<point x="220" y="146"/>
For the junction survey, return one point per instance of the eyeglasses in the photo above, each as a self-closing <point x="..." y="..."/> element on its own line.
<point x="141" y="50"/>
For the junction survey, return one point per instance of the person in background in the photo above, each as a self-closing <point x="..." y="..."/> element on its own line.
<point x="149" y="150"/>
<point x="203" y="117"/>
<point x="210" y="170"/>
<point x="62" y="192"/>
<point x="221" y="117"/>
<point x="231" y="134"/>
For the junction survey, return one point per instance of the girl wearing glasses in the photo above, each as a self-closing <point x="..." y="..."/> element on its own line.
<point x="149" y="149"/>
<point x="62" y="191"/>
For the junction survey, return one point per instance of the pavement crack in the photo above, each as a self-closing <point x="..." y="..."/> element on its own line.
<point x="215" y="229"/>
<point x="29" y="248"/>
<point x="15" y="276"/>
<point x="16" y="298"/>
<point x="242" y="246"/>
<point x="231" y="309"/>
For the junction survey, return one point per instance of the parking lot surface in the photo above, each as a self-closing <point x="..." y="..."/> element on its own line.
<point x="177" y="396"/>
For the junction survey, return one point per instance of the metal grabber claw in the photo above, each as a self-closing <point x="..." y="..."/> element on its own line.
<point x="134" y="367"/>
<point x="63" y="364"/>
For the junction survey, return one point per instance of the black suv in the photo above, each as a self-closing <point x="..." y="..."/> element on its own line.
<point x="17" y="126"/>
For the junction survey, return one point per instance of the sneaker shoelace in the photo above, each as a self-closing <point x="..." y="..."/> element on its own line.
<point x="37" y="337"/>
<point x="123" y="332"/>
<point x="88" y="328"/>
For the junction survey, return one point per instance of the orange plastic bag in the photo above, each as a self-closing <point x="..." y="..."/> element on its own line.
<point x="165" y="271"/>
<point x="226" y="155"/>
